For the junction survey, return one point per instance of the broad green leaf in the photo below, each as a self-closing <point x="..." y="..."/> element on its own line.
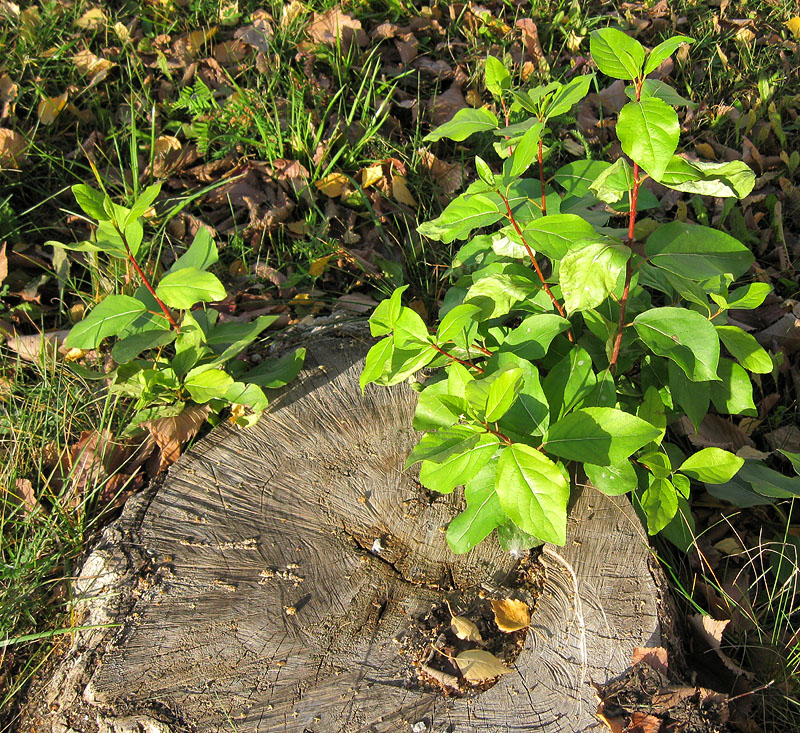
<point x="495" y="295"/>
<point x="682" y="484"/>
<point x="697" y="252"/>
<point x="108" y="318"/>
<point x="587" y="276"/>
<point x="458" y="377"/>
<point x="616" y="54"/>
<point x="555" y="233"/>
<point x="431" y="413"/>
<point x="530" y="99"/>
<point x="663" y="51"/>
<point x="612" y="480"/>
<point x="205" y="384"/>
<point x="189" y="285"/>
<point x="692" y="397"/>
<point x="378" y="362"/>
<point x="462" y="215"/>
<point x="526" y="151"/>
<point x="576" y="177"/>
<point x="443" y="444"/>
<point x="274" y="373"/>
<point x="108" y="240"/>
<point x="465" y="122"/>
<point x="793" y="457"/>
<point x="657" y="462"/>
<point x="91" y="201"/>
<point x="532" y="338"/>
<point x="712" y="466"/>
<point x="614" y="182"/>
<point x="749" y="296"/>
<point x="503" y="392"/>
<point x="533" y="492"/>
<point x="568" y="95"/>
<point x="202" y="252"/>
<point x="733" y="393"/>
<point x="405" y="362"/>
<point x="659" y="502"/>
<point x="659" y="90"/>
<point x="513" y="540"/>
<point x="708" y="179"/>
<point x="569" y="381"/>
<point x="458" y="468"/>
<point x="745" y="349"/>
<point x="230" y="339"/>
<point x="651" y="408"/>
<point x="386" y="312"/>
<point x="683" y="336"/>
<point x="131" y="346"/>
<point x="756" y="476"/>
<point x="498" y="80"/>
<point x="602" y="436"/>
<point x="409" y="329"/>
<point x="508" y="244"/>
<point x="604" y="393"/>
<point x="484" y="171"/>
<point x="648" y="131"/>
<point x="482" y="515"/>
<point x="528" y="414"/>
<point x="143" y="203"/>
<point x="460" y="325"/>
<point x="681" y="528"/>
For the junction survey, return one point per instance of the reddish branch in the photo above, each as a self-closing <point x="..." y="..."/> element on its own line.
<point x="455" y="358"/>
<point x="541" y="179"/>
<point x="497" y="433"/>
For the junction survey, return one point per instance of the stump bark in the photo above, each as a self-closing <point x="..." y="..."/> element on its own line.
<point x="289" y="561"/>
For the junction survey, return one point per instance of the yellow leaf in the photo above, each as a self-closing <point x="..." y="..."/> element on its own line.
<point x="400" y="191"/>
<point x="318" y="266"/>
<point x="74" y="354"/>
<point x="12" y="148"/>
<point x="50" y="108"/>
<point x="371" y="175"/>
<point x="196" y="40"/>
<point x="793" y="24"/>
<point x="705" y="150"/>
<point x="745" y="35"/>
<point x="94" y="67"/>
<point x="478" y="666"/>
<point x="511" y="614"/>
<point x="473" y="98"/>
<point x="465" y="629"/>
<point x="165" y="144"/>
<point x="122" y="32"/>
<point x="297" y="227"/>
<point x="91" y="20"/>
<point x="333" y="184"/>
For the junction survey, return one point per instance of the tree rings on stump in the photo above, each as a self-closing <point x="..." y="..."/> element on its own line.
<point x="302" y="578"/>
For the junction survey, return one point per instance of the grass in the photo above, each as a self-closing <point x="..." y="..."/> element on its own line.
<point x="332" y="109"/>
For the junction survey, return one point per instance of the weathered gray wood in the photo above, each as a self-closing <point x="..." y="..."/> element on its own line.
<point x="270" y="612"/>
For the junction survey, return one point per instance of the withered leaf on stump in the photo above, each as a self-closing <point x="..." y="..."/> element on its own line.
<point x="465" y="629"/>
<point x="511" y="614"/>
<point x="478" y="665"/>
<point x="170" y="433"/>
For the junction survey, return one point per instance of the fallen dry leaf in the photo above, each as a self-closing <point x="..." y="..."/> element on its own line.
<point x="3" y="263"/>
<point x="716" y="432"/>
<point x="783" y="438"/>
<point x="655" y="656"/>
<point x="318" y="266"/>
<point x="50" y="108"/>
<point x="333" y="184"/>
<point x="333" y="24"/>
<point x="793" y="24"/>
<point x="371" y="175"/>
<point x="643" y="723"/>
<point x="93" y="66"/>
<point x="530" y="38"/>
<point x="511" y="614"/>
<point x="443" y="107"/>
<point x="449" y="176"/>
<point x="31" y="347"/>
<point x="8" y="89"/>
<point x="465" y="629"/>
<point x="25" y="492"/>
<point x="170" y="433"/>
<point x="711" y="630"/>
<point x="290" y="12"/>
<point x="12" y="148"/>
<point x="356" y="303"/>
<point x="400" y="191"/>
<point x="478" y="665"/>
<point x="92" y="20"/>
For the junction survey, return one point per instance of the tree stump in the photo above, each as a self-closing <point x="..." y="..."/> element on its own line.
<point x="293" y="561"/>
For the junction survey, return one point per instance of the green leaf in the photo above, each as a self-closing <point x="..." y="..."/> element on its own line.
<point x="91" y="201"/>
<point x="587" y="276"/>
<point x="793" y="457"/>
<point x="602" y="436"/>
<point x="131" y="346"/>
<point x="648" y="131"/>
<point x="692" y="397"/>
<point x="503" y="392"/>
<point x="513" y="540"/>
<point x="458" y="468"/>
<point x="108" y="318"/>
<point x="528" y="414"/>
<point x="568" y="95"/>
<point x="143" y="203"/>
<point x="612" y="480"/>
<point x="378" y="362"/>
<point x="616" y="54"/>
<point x="756" y="476"/>
<point x="462" y="215"/>
<point x="482" y="515"/>
<point x="697" y="252"/>
<point x="431" y="412"/>
<point x="576" y="177"/>
<point x="108" y="240"/>
<point x="745" y="349"/>
<point x="708" y="179"/>
<point x="443" y="444"/>
<point x="533" y="492"/>
<point x="683" y="336"/>
<point x="498" y="80"/>
<point x="733" y="394"/>
<point x="230" y="339"/>
<point x="749" y="296"/>
<point x="554" y="234"/>
<point x="460" y="325"/>
<point x="532" y="338"/>
<point x="663" y="51"/>
<point x="409" y="329"/>
<point x="651" y="408"/>
<point x="659" y="502"/>
<point x="386" y="312"/>
<point x="465" y="122"/>
<point x="526" y="150"/>
<point x="569" y="381"/>
<point x="274" y="373"/>
<point x="682" y="485"/>
<point x="405" y="362"/>
<point x="614" y="182"/>
<point x="657" y="463"/>
<point x="495" y="295"/>
<point x="205" y="384"/>
<point x="712" y="466"/>
<point x="659" y="90"/>
<point x="189" y="285"/>
<point x="484" y="171"/>
<point x="681" y="528"/>
<point x="604" y="393"/>
<point x="530" y="99"/>
<point x="202" y="253"/>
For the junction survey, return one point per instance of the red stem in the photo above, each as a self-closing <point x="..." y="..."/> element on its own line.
<point x="455" y="358"/>
<point x="502" y="437"/>
<point x="505" y="111"/>
<point x="541" y="178"/>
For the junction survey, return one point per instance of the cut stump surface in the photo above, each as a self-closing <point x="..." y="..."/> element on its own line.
<point x="293" y="558"/>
